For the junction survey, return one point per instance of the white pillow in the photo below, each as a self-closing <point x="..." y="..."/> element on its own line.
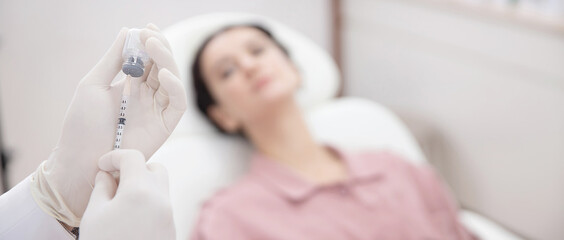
<point x="356" y="124"/>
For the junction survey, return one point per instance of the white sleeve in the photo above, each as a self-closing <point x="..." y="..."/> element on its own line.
<point x="22" y="219"/>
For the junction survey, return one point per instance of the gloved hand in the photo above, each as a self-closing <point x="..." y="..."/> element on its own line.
<point x="137" y="208"/>
<point x="62" y="184"/>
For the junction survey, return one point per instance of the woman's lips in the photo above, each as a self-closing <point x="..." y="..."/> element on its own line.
<point x="261" y="82"/>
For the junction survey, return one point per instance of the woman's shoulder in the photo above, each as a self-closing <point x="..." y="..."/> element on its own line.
<point x="388" y="161"/>
<point x="221" y="211"/>
<point x="230" y="209"/>
<point x="242" y="194"/>
<point x="380" y="156"/>
<point x="397" y="165"/>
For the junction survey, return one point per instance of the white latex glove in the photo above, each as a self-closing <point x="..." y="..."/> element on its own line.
<point x="139" y="208"/>
<point x="62" y="184"/>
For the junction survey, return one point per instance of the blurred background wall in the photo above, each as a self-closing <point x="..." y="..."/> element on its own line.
<point x="486" y="84"/>
<point x="480" y="83"/>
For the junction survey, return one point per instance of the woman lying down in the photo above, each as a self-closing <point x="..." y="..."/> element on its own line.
<point x="297" y="188"/>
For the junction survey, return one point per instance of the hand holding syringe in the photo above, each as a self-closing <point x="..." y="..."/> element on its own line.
<point x="156" y="100"/>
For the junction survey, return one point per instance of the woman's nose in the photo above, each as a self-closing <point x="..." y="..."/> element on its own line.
<point x="249" y="65"/>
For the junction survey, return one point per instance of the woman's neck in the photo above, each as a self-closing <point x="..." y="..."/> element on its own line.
<point x="283" y="135"/>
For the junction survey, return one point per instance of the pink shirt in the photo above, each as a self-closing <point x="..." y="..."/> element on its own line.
<point x="385" y="197"/>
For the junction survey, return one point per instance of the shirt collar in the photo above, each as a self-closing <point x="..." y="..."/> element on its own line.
<point x="294" y="187"/>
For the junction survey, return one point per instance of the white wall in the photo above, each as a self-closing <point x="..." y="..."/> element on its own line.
<point x="493" y="88"/>
<point x="47" y="46"/>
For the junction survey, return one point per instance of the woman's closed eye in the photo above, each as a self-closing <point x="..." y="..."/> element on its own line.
<point x="257" y="50"/>
<point x="226" y="72"/>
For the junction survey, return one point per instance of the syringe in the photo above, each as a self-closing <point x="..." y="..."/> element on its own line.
<point x="122" y="110"/>
<point x="134" y="60"/>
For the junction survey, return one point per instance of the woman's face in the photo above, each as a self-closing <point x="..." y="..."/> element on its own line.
<point x="247" y="74"/>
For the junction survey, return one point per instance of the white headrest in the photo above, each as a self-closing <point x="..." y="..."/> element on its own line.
<point x="319" y="72"/>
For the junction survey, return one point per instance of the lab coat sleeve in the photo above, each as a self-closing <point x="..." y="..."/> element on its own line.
<point x="21" y="218"/>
